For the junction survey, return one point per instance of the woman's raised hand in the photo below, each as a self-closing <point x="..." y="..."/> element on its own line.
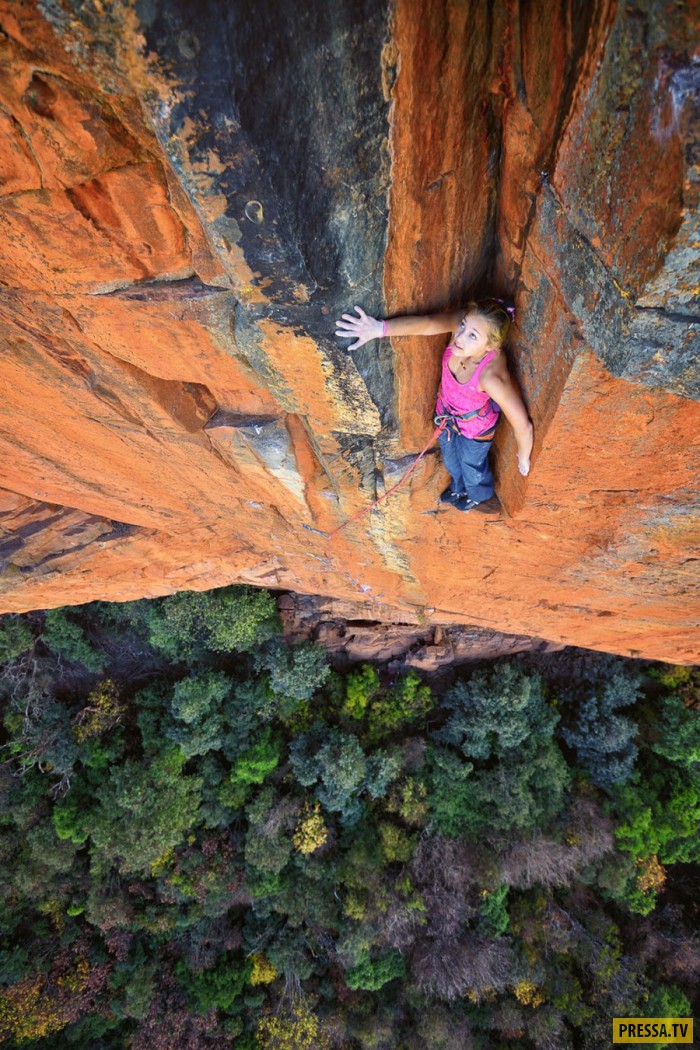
<point x="361" y="329"/>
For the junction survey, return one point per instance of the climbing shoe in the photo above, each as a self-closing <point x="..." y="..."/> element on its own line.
<point x="464" y="503"/>
<point x="488" y="506"/>
<point x="450" y="497"/>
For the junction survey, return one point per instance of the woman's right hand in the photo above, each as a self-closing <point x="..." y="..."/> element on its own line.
<point x="523" y="464"/>
<point x="361" y="328"/>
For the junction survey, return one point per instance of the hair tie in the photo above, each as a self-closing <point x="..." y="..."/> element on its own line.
<point x="508" y="307"/>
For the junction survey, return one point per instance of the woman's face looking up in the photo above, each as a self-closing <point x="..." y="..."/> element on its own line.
<point x="472" y="337"/>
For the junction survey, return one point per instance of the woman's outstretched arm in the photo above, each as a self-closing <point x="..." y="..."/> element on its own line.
<point x="363" y="327"/>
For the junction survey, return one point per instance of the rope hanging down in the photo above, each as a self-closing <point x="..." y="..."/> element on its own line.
<point x="365" y="510"/>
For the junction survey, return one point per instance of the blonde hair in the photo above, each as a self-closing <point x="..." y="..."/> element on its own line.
<point x="497" y="315"/>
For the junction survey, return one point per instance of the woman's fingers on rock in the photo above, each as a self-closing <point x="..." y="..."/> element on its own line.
<point x="361" y="312"/>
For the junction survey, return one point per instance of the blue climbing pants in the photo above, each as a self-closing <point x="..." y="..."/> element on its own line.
<point x="468" y="463"/>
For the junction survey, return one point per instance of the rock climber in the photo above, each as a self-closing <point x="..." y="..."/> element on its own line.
<point x="475" y="388"/>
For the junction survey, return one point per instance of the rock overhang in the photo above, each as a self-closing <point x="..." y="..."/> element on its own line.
<point x="188" y="203"/>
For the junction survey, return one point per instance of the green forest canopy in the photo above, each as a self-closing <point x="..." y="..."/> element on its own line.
<point x="210" y="839"/>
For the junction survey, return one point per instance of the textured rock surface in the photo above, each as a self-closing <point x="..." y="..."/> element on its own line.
<point x="189" y="194"/>
<point x="344" y="631"/>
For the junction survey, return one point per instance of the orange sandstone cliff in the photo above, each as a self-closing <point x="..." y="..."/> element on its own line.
<point x="190" y="195"/>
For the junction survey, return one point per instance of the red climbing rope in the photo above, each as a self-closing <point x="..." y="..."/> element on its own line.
<point x="365" y="510"/>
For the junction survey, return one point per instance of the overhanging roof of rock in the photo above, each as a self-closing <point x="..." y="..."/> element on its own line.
<point x="190" y="195"/>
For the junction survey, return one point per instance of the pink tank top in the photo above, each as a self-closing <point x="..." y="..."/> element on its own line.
<point x="459" y="398"/>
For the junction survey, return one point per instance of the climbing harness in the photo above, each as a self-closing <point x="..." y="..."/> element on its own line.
<point x="453" y="419"/>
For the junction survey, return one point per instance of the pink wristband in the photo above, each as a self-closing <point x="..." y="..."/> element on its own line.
<point x="383" y="328"/>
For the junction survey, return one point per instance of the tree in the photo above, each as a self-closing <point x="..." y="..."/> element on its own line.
<point x="251" y="767"/>
<point x="295" y="672"/>
<point x="407" y="701"/>
<point x="342" y="771"/>
<point x="494" y="911"/>
<point x="473" y="964"/>
<point x="449" y="791"/>
<point x="67" y="638"/>
<point x="41" y="735"/>
<point x="299" y="1029"/>
<point x="524" y="793"/>
<point x="15" y="638"/>
<point x="218" y="988"/>
<point x="102" y="712"/>
<point x="198" y="702"/>
<point x="361" y="686"/>
<point x="659" y="813"/>
<point x="602" y="738"/>
<point x="142" y="811"/>
<point x="186" y="625"/>
<point x="372" y="974"/>
<point x="495" y="712"/>
<point x="311" y="832"/>
<point x="679" y="733"/>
